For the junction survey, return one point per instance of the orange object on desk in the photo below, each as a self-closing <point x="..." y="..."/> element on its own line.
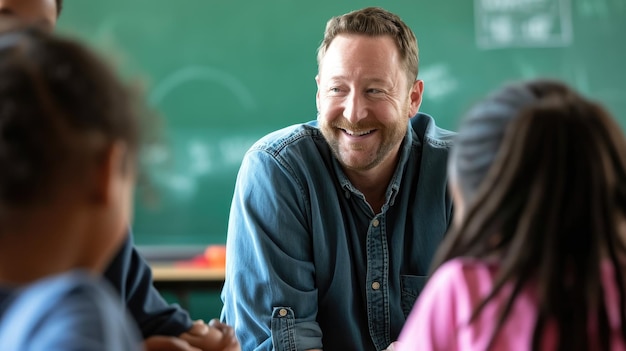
<point x="214" y="256"/>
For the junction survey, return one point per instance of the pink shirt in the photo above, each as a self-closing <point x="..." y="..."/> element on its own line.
<point x="439" y="318"/>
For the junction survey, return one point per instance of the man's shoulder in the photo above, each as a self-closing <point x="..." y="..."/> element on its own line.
<point x="276" y="141"/>
<point x="428" y="132"/>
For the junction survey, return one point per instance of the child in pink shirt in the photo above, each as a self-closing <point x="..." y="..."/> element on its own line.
<point x="535" y="260"/>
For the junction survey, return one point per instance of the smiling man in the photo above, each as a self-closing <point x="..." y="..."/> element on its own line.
<point x="334" y="222"/>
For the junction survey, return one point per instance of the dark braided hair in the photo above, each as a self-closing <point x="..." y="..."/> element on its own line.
<point x="60" y="108"/>
<point x="543" y="173"/>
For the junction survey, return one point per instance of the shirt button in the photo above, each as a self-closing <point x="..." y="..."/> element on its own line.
<point x="282" y="312"/>
<point x="375" y="222"/>
<point x="347" y="194"/>
<point x="375" y="285"/>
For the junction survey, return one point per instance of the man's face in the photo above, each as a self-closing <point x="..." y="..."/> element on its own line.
<point x="38" y="12"/>
<point x="364" y="100"/>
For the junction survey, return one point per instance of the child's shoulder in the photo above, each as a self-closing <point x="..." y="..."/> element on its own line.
<point x="75" y="286"/>
<point x="466" y="275"/>
<point x="467" y="266"/>
<point x="65" y="309"/>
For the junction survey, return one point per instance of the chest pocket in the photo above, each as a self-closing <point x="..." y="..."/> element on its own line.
<point x="411" y="286"/>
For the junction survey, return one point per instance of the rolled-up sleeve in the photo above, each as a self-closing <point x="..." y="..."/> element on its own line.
<point x="269" y="294"/>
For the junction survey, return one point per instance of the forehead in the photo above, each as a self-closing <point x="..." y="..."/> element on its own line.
<point x="41" y="12"/>
<point x="356" y="54"/>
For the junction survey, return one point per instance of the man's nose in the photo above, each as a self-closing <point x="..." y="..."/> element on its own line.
<point x="355" y="108"/>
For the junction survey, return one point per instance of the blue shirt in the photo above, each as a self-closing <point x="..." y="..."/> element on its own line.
<point x="310" y="265"/>
<point x="70" y="311"/>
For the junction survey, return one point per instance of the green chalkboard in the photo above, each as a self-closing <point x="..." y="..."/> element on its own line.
<point x="224" y="73"/>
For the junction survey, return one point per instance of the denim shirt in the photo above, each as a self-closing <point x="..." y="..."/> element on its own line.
<point x="310" y="265"/>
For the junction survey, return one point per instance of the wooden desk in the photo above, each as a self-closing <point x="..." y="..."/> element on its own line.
<point x="182" y="280"/>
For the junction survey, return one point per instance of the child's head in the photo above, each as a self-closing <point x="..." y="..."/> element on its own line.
<point x="69" y="135"/>
<point x="538" y="174"/>
<point x="538" y="150"/>
<point x="480" y="139"/>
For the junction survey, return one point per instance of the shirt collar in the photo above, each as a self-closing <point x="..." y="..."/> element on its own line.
<point x="396" y="179"/>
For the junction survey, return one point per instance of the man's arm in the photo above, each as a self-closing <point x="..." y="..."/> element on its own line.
<point x="131" y="276"/>
<point x="270" y="295"/>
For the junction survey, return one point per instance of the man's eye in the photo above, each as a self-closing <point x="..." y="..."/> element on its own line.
<point x="374" y="91"/>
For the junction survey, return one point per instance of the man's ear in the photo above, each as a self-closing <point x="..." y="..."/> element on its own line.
<point x="415" y="97"/>
<point x="109" y="172"/>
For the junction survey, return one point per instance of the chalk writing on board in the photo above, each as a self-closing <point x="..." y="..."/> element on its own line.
<point x="191" y="157"/>
<point x="438" y="82"/>
<point x="522" y="23"/>
<point x="192" y="73"/>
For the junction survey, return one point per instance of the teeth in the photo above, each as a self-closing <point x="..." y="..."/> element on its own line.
<point x="358" y="133"/>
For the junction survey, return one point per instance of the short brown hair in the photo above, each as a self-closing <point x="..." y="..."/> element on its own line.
<point x="374" y="21"/>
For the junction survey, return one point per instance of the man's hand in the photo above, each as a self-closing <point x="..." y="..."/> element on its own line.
<point x="167" y="343"/>
<point x="216" y="336"/>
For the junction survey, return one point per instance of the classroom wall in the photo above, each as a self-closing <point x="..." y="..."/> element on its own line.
<point x="223" y="73"/>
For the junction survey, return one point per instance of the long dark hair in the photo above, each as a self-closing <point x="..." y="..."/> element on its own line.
<point x="546" y="203"/>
